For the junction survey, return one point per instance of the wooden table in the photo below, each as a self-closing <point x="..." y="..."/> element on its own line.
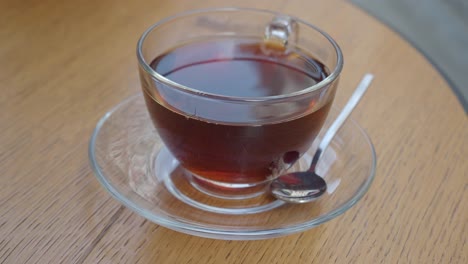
<point x="64" y="63"/>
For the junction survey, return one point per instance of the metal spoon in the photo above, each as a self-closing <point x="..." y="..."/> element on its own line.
<point x="307" y="186"/>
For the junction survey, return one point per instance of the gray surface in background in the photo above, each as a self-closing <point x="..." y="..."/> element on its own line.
<point x="437" y="28"/>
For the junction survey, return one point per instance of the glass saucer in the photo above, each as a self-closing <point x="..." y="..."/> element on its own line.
<point x="132" y="163"/>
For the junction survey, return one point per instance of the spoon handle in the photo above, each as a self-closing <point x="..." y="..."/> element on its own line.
<point x="339" y="121"/>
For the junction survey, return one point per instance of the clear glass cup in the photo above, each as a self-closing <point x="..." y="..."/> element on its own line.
<point x="233" y="146"/>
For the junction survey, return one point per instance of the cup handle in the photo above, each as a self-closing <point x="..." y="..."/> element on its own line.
<point x="281" y="30"/>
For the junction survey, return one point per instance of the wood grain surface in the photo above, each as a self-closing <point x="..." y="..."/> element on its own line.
<point x="64" y="63"/>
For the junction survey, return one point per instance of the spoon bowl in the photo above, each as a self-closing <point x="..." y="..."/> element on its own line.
<point x="296" y="187"/>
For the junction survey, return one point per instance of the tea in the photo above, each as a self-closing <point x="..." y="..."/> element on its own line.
<point x="236" y="152"/>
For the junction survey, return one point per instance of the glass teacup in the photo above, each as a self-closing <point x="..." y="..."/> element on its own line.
<point x="237" y="95"/>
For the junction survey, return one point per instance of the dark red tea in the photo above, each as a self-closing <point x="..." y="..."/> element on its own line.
<point x="230" y="152"/>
